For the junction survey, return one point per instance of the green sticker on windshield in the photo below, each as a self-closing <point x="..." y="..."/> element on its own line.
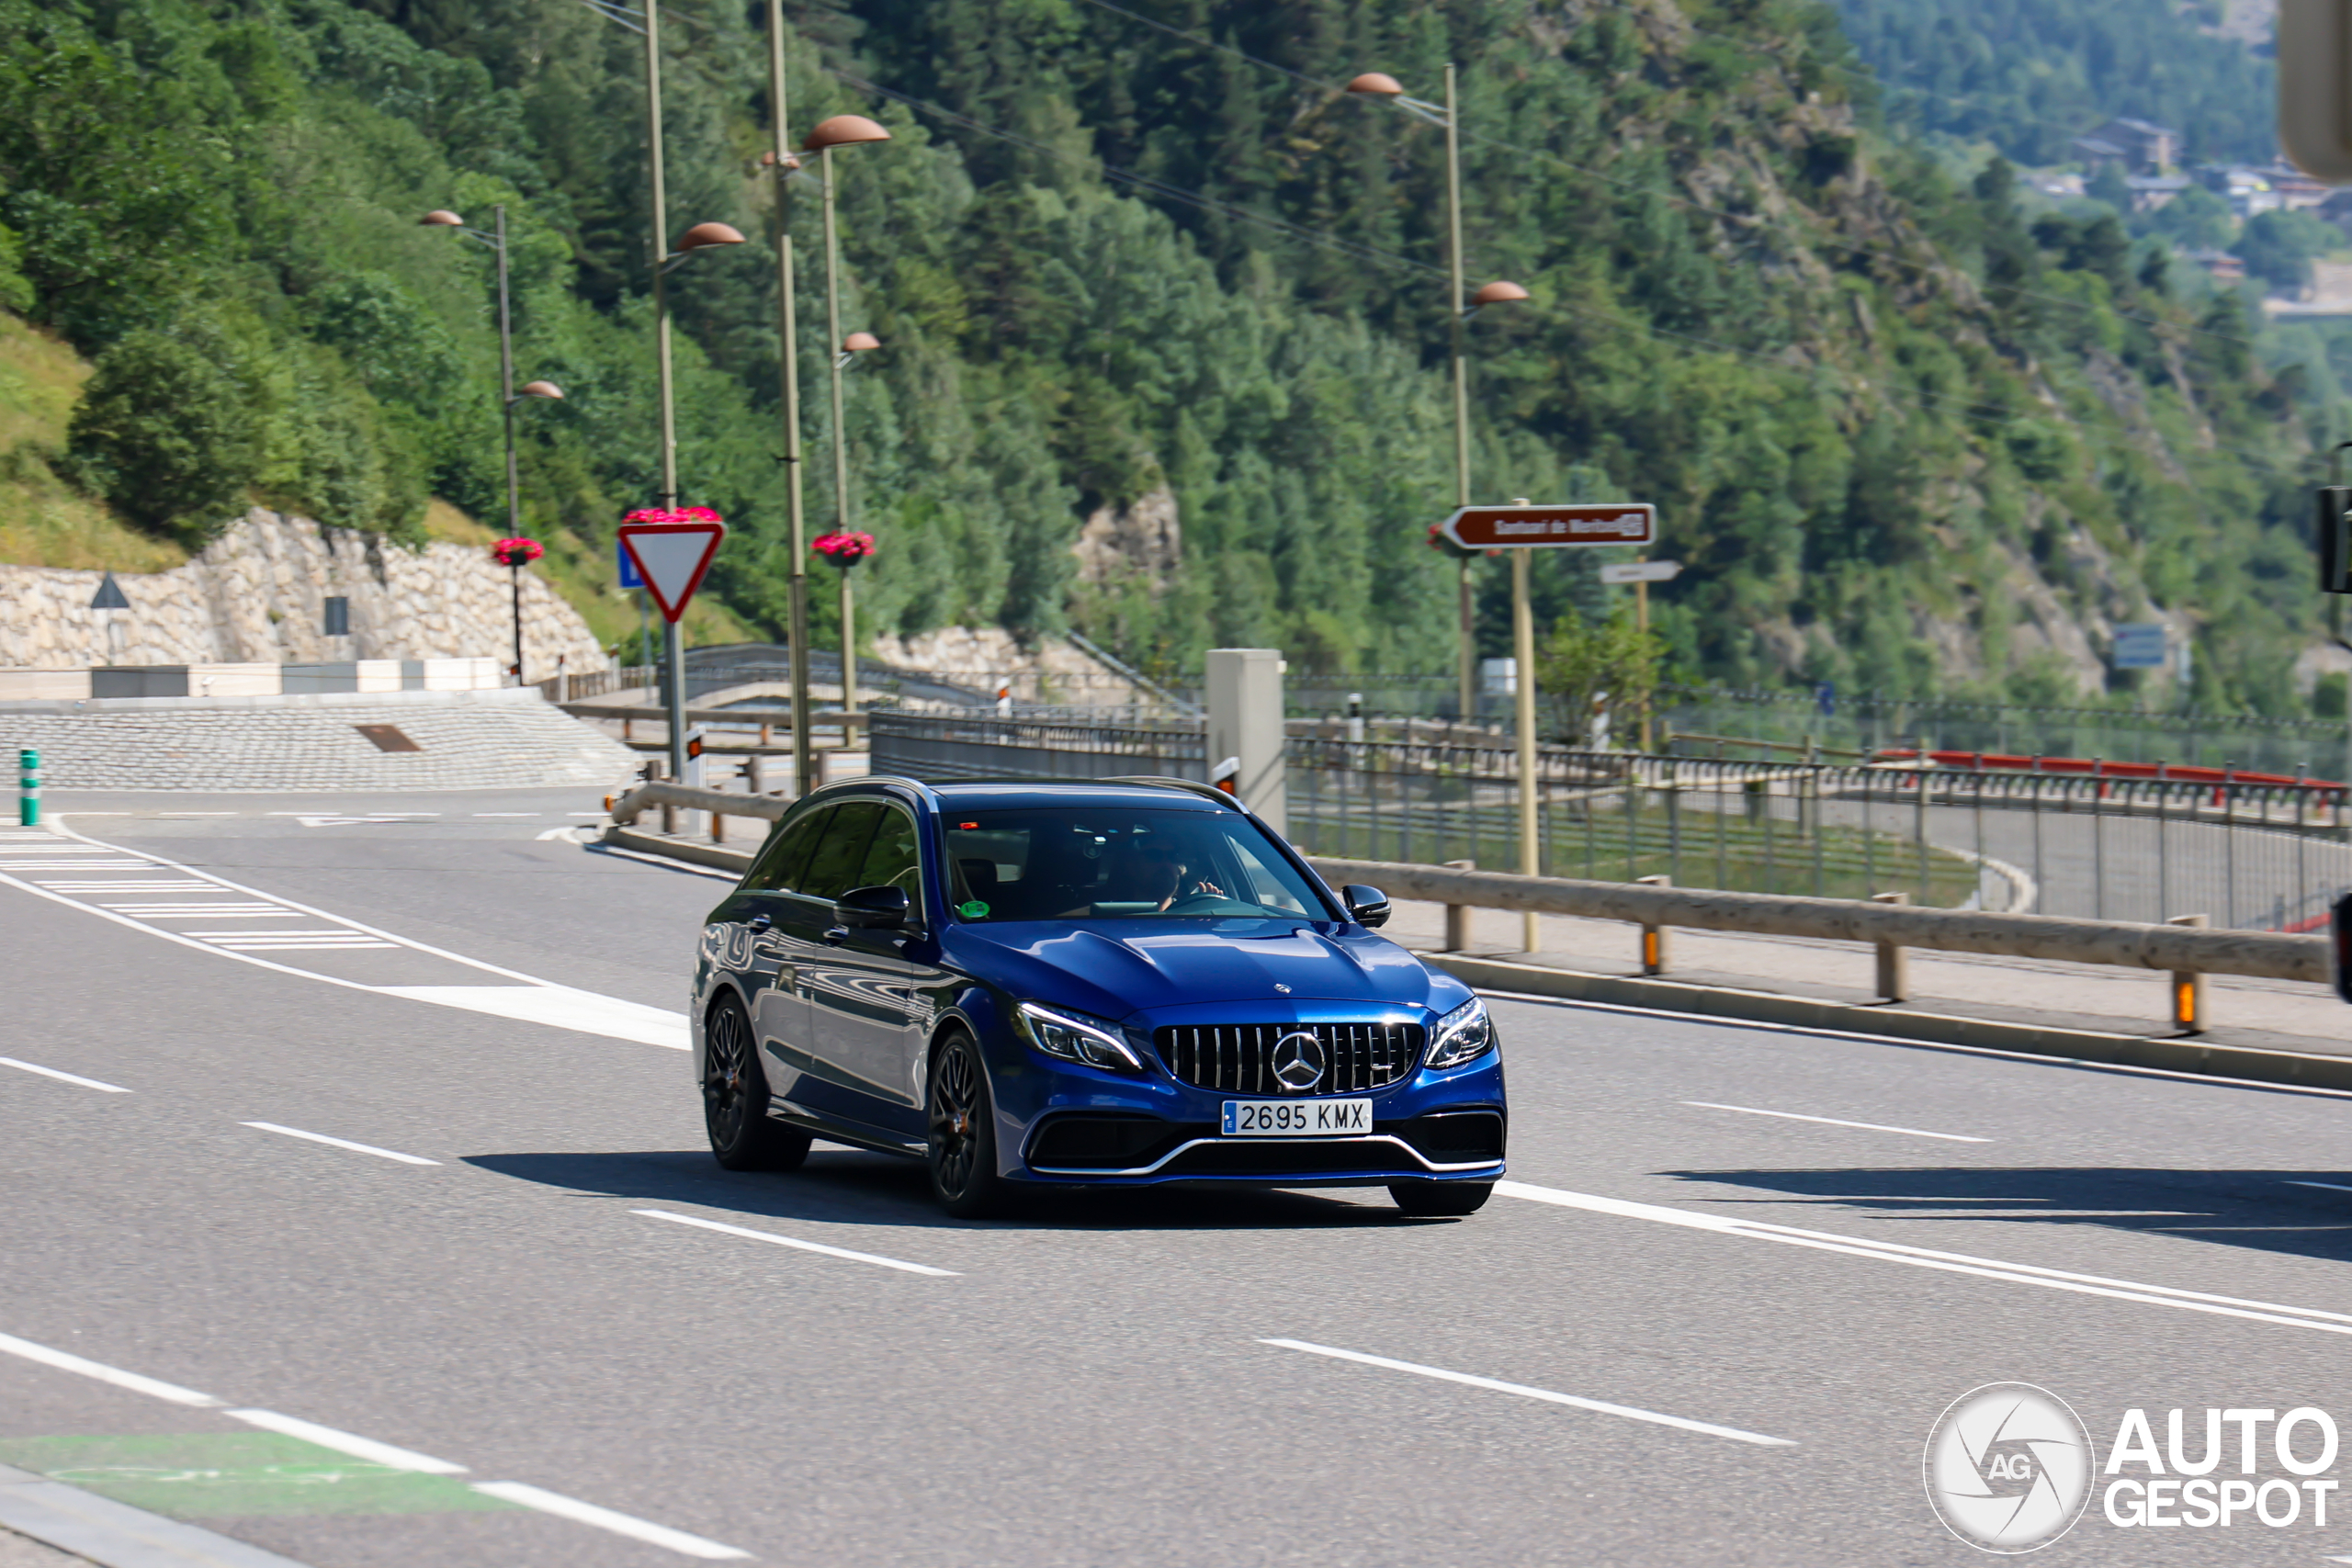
<point x="973" y="910"/>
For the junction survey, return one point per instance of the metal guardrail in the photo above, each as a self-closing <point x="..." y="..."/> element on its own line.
<point x="2181" y="949"/>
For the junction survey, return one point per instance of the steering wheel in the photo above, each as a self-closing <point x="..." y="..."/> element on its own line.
<point x="1178" y="906"/>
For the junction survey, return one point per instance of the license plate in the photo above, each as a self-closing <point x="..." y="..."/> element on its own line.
<point x="1295" y="1118"/>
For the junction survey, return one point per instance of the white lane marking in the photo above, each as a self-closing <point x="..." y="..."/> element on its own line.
<point x="571" y="1508"/>
<point x="339" y="1143"/>
<point x="128" y="886"/>
<point x="1946" y="1262"/>
<point x="1833" y="1121"/>
<point x="2330" y="1186"/>
<point x="62" y="1077"/>
<point x="65" y="1362"/>
<point x="560" y="1007"/>
<point x="1602" y="1405"/>
<point x="770" y="1237"/>
<point x="169" y="815"/>
<point x="509" y="813"/>
<point x="665" y="862"/>
<point x="368" y="1448"/>
<point x="75" y="865"/>
<point x="349" y="1443"/>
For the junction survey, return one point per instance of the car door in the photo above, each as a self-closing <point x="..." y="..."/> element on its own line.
<point x="827" y="1085"/>
<point x="865" y="1005"/>
<point x="762" y="908"/>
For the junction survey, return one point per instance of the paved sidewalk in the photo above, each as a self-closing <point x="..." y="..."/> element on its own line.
<point x="2277" y="1015"/>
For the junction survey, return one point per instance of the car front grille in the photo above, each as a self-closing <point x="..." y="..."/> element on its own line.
<point x="1240" y="1057"/>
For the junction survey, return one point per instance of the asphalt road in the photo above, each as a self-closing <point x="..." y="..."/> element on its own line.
<point x="1091" y="1382"/>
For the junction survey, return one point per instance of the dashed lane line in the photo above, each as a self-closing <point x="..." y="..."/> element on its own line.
<point x="794" y="1241"/>
<point x="61" y="1077"/>
<point x="1833" y="1121"/>
<point x="349" y="1443"/>
<point x="1946" y="1262"/>
<point x="516" y="1492"/>
<point x="338" y="1142"/>
<point x="1602" y="1407"/>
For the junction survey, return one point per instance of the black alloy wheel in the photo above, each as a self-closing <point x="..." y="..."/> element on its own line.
<point x="735" y="1098"/>
<point x="1440" y="1199"/>
<point x="963" y="1132"/>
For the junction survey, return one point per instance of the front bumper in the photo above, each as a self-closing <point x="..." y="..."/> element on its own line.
<point x="1101" y="1129"/>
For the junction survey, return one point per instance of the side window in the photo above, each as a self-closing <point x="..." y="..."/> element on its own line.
<point x="779" y="868"/>
<point x="890" y="859"/>
<point x="841" y="850"/>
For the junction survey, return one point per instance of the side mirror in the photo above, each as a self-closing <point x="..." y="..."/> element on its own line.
<point x="2339" y="932"/>
<point x="873" y="908"/>
<point x="1366" y="906"/>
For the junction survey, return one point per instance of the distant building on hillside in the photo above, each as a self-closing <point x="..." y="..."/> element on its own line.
<point x="2252" y="189"/>
<point x="2050" y="183"/>
<point x="2220" y="266"/>
<point x="2138" y="146"/>
<point x="2150" y="192"/>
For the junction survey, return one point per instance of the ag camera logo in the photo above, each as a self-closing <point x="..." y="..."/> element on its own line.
<point x="2008" y="1468"/>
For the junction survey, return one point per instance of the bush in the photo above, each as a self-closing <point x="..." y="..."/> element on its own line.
<point x="167" y="436"/>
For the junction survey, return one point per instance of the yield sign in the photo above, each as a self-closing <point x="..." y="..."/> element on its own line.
<point x="672" y="559"/>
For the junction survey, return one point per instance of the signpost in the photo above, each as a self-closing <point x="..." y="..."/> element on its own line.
<point x="1640" y="574"/>
<point x="673" y="550"/>
<point x="2140" y="645"/>
<point x="1525" y="527"/>
<point x="1520" y="528"/>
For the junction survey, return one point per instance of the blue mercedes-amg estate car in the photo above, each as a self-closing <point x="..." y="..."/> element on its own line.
<point x="1114" y="982"/>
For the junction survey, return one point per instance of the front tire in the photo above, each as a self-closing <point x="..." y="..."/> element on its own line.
<point x="962" y="1123"/>
<point x="735" y="1098"/>
<point x="1440" y="1199"/>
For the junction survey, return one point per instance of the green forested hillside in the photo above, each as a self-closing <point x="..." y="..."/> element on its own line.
<point x="2031" y="75"/>
<point x="1118" y="249"/>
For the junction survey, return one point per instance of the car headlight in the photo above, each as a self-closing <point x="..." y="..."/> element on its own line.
<point x="1463" y="1036"/>
<point x="1074" y="1037"/>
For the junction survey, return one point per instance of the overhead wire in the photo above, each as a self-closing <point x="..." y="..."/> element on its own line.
<point x="1647" y="187"/>
<point x="1918" y="400"/>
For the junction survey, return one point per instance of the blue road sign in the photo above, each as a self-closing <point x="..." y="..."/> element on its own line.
<point x="1824" y="698"/>
<point x="2140" y="645"/>
<point x="629" y="568"/>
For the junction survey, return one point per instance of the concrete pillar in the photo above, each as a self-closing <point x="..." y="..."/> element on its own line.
<point x="1245" y="722"/>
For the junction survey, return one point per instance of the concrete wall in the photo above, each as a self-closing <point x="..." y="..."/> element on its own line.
<point x="257" y="596"/>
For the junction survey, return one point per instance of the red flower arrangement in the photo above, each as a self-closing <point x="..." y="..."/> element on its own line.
<point x="674" y="514"/>
<point x="844" y="550"/>
<point x="515" y="552"/>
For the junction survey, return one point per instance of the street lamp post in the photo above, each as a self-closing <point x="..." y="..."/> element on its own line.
<point x="841" y="130"/>
<point x="784" y="163"/>
<point x="1446" y="115"/>
<point x="508" y="394"/>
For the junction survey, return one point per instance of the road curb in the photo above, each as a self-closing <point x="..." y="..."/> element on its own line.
<point x="715" y="855"/>
<point x="2171" y="1056"/>
<point x="114" y="1534"/>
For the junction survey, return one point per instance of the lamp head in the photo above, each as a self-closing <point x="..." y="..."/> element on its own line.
<point x="547" y="389"/>
<point x="842" y="129"/>
<point x="705" y="234"/>
<point x="768" y="160"/>
<point x="1502" y="291"/>
<point x="1377" y="85"/>
<point x="858" y="342"/>
<point x="441" y="217"/>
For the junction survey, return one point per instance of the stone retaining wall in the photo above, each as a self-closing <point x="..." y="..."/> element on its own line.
<point x="511" y="738"/>
<point x="257" y="594"/>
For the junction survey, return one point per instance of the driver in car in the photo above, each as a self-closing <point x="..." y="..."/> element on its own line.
<point x="1161" y="873"/>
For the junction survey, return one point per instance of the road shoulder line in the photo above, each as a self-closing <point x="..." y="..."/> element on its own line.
<point x="114" y="1534"/>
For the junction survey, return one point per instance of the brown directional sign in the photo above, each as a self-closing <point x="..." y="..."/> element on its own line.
<point x="1551" y="528"/>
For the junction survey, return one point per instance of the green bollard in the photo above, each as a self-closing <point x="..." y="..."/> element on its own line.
<point x="28" y="788"/>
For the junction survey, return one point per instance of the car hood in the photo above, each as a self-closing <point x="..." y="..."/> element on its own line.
<point x="1116" y="969"/>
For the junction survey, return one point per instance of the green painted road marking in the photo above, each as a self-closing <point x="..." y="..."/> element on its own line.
<point x="228" y="1475"/>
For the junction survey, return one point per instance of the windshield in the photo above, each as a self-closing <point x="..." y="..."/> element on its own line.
<point x="1084" y="864"/>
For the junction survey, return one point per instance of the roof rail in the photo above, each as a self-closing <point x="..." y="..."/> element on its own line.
<point x="1207" y="791"/>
